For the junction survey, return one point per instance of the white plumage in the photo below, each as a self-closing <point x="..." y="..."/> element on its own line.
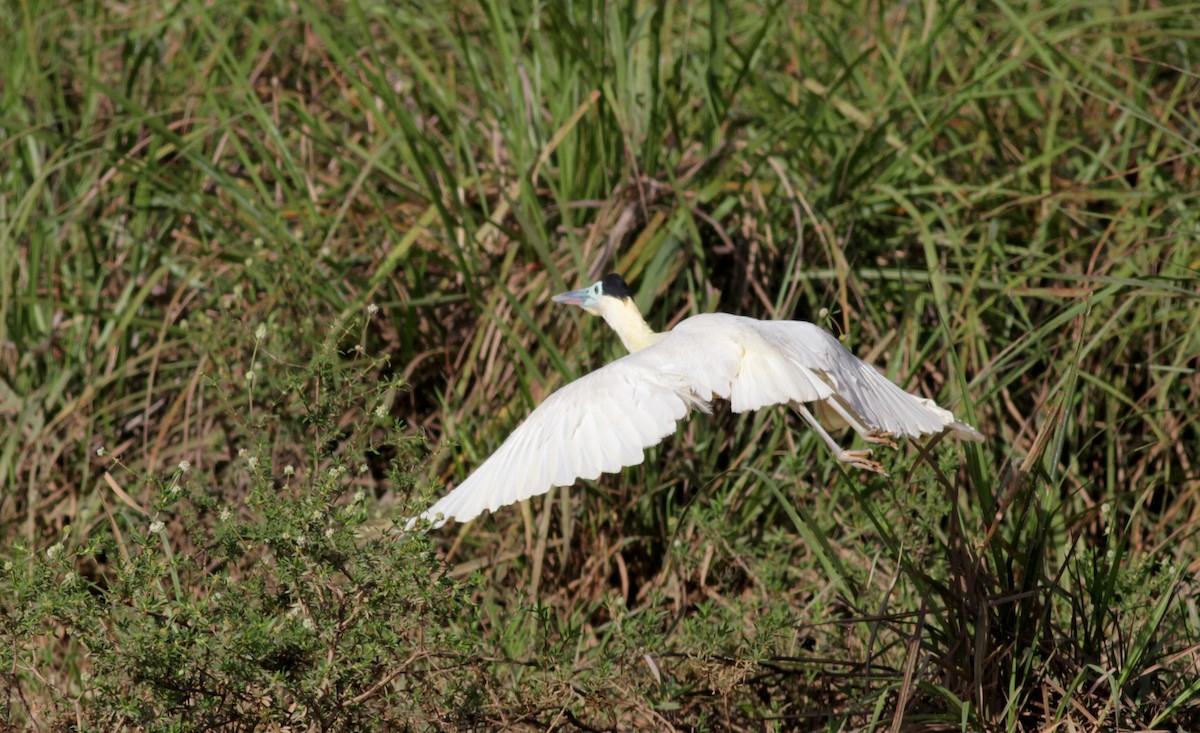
<point x="605" y="420"/>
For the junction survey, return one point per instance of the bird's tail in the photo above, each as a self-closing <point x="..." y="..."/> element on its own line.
<point x="963" y="431"/>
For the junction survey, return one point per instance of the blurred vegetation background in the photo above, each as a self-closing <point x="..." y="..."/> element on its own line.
<point x="276" y="274"/>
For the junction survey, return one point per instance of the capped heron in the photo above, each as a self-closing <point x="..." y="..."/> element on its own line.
<point x="605" y="420"/>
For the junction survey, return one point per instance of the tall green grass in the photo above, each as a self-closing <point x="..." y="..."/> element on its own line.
<point x="203" y="205"/>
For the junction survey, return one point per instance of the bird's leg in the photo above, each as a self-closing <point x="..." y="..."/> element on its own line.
<point x="871" y="435"/>
<point x="832" y="403"/>
<point x="857" y="458"/>
<point x="880" y="437"/>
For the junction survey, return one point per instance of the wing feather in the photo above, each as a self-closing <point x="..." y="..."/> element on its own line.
<point x="857" y="386"/>
<point x="597" y="424"/>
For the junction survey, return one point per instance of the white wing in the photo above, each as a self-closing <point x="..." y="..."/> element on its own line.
<point x="597" y="424"/>
<point x="857" y="387"/>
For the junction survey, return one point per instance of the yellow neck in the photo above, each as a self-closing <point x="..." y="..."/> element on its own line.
<point x="623" y="316"/>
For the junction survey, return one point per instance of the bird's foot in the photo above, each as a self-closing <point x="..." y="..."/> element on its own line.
<point x="861" y="459"/>
<point x="881" y="437"/>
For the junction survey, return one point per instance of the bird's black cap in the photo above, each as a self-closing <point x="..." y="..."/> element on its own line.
<point x="616" y="286"/>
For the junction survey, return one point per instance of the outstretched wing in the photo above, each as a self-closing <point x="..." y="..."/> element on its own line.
<point x="597" y="424"/>
<point x="857" y="387"/>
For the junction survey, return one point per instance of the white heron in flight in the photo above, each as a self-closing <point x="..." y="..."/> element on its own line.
<point x="605" y="420"/>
